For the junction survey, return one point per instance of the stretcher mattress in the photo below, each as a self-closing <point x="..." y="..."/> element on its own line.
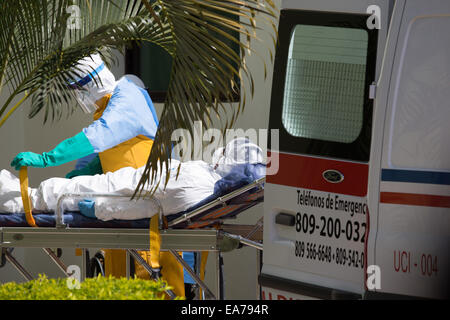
<point x="237" y="178"/>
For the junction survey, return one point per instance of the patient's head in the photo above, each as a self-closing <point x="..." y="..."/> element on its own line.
<point x="237" y="151"/>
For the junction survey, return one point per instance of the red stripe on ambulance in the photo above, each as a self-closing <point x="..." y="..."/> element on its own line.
<point x="415" y="199"/>
<point x="307" y="172"/>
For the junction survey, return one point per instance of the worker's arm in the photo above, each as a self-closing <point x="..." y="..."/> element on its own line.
<point x="71" y="149"/>
<point x="128" y="114"/>
<point x="91" y="169"/>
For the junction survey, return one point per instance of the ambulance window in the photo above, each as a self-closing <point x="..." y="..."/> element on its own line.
<point x="420" y="128"/>
<point x="324" y="65"/>
<point x="325" y="78"/>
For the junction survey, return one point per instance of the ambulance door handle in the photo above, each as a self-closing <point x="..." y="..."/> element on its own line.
<point x="285" y="219"/>
<point x="373" y="91"/>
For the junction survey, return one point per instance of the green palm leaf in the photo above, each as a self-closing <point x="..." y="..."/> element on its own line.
<point x="204" y="70"/>
<point x="39" y="48"/>
<point x="45" y="49"/>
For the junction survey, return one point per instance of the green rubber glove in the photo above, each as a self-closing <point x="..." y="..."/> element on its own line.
<point x="91" y="169"/>
<point x="71" y="149"/>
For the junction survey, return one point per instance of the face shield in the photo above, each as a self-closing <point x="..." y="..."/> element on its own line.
<point x="84" y="100"/>
<point x="237" y="151"/>
<point x="86" y="90"/>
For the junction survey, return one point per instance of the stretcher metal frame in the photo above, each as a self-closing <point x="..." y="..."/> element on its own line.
<point x="174" y="240"/>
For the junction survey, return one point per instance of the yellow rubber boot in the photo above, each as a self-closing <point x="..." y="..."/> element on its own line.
<point x="115" y="263"/>
<point x="171" y="270"/>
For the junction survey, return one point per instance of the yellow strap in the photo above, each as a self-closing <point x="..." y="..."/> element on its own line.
<point x="172" y="270"/>
<point x="203" y="260"/>
<point x="23" y="175"/>
<point x="155" y="242"/>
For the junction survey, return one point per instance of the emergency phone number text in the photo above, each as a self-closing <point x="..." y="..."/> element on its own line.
<point x="330" y="227"/>
<point x="325" y="253"/>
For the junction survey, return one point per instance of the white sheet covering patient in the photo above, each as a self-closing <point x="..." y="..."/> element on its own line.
<point x="195" y="182"/>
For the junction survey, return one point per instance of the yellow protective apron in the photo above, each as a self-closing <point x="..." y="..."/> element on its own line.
<point x="134" y="153"/>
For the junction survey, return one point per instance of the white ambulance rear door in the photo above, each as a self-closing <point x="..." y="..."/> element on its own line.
<point x="409" y="183"/>
<point x="315" y="222"/>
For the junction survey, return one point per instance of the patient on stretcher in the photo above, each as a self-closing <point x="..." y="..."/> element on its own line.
<point x="196" y="181"/>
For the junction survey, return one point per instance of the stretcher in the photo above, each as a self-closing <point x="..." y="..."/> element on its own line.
<point x="200" y="228"/>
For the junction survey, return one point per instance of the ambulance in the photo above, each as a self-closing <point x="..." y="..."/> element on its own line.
<point x="360" y="205"/>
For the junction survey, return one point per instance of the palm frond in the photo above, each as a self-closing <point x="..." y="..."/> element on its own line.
<point x="46" y="48"/>
<point x="39" y="49"/>
<point x="7" y="25"/>
<point x="205" y="70"/>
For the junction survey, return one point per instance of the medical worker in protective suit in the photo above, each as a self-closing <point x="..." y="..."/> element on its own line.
<point x="121" y="135"/>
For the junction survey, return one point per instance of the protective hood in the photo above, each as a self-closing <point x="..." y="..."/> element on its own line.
<point x="237" y="151"/>
<point x="95" y="81"/>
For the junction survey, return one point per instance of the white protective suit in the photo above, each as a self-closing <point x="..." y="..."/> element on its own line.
<point x="195" y="182"/>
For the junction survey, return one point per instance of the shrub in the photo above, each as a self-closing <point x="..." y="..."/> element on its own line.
<point x="100" y="288"/>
